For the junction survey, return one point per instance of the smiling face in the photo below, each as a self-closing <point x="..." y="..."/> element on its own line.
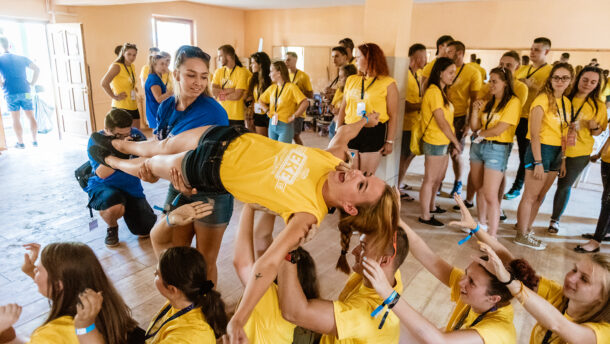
<point x="496" y="85"/>
<point x="254" y="66"/>
<point x="584" y="283"/>
<point x="588" y="82"/>
<point x="560" y="80"/>
<point x="192" y="76"/>
<point x="223" y="58"/>
<point x="41" y="279"/>
<point x="352" y="189"/>
<point x="364" y="249"/>
<point x="275" y="74"/>
<point x="474" y="285"/>
<point x="448" y="74"/>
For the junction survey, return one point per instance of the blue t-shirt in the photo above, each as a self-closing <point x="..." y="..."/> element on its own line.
<point x="151" y="102"/>
<point x="12" y="68"/>
<point x="119" y="179"/>
<point x="205" y="110"/>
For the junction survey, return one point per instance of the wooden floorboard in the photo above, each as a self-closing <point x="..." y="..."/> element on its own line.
<point x="41" y="202"/>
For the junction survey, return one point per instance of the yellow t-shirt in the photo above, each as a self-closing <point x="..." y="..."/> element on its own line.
<point x="375" y="96"/>
<point x="188" y="328"/>
<point x="414" y="96"/>
<point x="57" y="331"/>
<point x="584" y="140"/>
<point x="605" y="92"/>
<point x="302" y="80"/>
<point x="432" y="133"/>
<point x="292" y="176"/>
<point x="125" y="81"/>
<point x="428" y="68"/>
<point x="553" y="124"/>
<point x="509" y="114"/>
<point x="166" y="78"/>
<point x="553" y="293"/>
<point x="481" y="70"/>
<point x="337" y="98"/>
<point x="256" y="96"/>
<point x="236" y="78"/>
<point x="519" y="88"/>
<point x="353" y="315"/>
<point x="468" y="80"/>
<point x="266" y="324"/>
<point x="539" y="78"/>
<point x="496" y="327"/>
<point x="289" y="97"/>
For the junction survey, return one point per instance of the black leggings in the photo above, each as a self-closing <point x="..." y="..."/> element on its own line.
<point x="603" y="223"/>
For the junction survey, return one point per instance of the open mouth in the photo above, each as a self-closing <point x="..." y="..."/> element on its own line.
<point x="342" y="177"/>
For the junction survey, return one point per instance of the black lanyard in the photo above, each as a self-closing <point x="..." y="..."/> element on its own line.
<point x="476" y="321"/>
<point x="132" y="77"/>
<point x="277" y="97"/>
<point x="334" y="82"/>
<point x="417" y="81"/>
<point x="529" y="75"/>
<point x="575" y="115"/>
<point x="294" y="77"/>
<point x="163" y="312"/>
<point x="549" y="333"/>
<point x="565" y="116"/>
<point x="367" y="88"/>
<point x="458" y="74"/>
<point x="490" y="115"/>
<point x="224" y="73"/>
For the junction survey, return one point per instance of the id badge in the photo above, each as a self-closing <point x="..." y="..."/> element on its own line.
<point x="361" y="109"/>
<point x="571" y="139"/>
<point x="274" y="119"/>
<point x="258" y="108"/>
<point x="133" y="94"/>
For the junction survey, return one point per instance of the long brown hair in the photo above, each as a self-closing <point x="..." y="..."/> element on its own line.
<point x="121" y="56"/>
<point x="72" y="267"/>
<point x="548" y="86"/>
<point x="281" y="67"/>
<point x="379" y="219"/>
<point x="506" y="76"/>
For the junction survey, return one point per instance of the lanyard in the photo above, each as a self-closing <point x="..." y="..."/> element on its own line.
<point x="163" y="312"/>
<point x="294" y="77"/>
<point x="490" y="115"/>
<point x="565" y="116"/>
<point x="549" y="333"/>
<point x="458" y="74"/>
<point x="417" y="81"/>
<point x="575" y="115"/>
<point x="476" y="321"/>
<point x="367" y="88"/>
<point x="132" y="77"/>
<point x="224" y="73"/>
<point x="334" y="82"/>
<point x="529" y="75"/>
<point x="277" y="97"/>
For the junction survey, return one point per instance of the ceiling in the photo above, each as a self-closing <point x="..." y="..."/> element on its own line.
<point x="245" y="4"/>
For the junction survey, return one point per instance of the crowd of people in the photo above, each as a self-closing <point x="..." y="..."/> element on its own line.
<point x="229" y="135"/>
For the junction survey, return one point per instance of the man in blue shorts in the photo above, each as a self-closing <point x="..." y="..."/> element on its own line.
<point x="116" y="194"/>
<point x="17" y="90"/>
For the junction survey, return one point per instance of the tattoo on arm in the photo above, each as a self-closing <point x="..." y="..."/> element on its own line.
<point x="258" y="275"/>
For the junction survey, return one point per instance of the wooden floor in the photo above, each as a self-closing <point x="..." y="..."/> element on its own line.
<point x="41" y="202"/>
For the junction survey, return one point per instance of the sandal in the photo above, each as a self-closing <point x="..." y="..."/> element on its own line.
<point x="580" y="249"/>
<point x="553" y="227"/>
<point x="406" y="197"/>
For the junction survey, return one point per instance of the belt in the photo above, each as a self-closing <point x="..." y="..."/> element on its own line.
<point x="498" y="143"/>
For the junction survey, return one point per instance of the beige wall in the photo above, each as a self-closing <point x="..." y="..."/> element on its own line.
<point x="107" y="26"/>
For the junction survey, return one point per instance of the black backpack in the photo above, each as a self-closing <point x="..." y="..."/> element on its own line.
<point x="83" y="173"/>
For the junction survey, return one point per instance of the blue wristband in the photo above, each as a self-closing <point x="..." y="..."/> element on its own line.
<point x="472" y="232"/>
<point x="167" y="219"/>
<point x="367" y="119"/>
<point x="384" y="303"/>
<point x="81" y="331"/>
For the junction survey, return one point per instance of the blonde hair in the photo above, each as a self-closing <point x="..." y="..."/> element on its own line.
<point x="379" y="220"/>
<point x="600" y="312"/>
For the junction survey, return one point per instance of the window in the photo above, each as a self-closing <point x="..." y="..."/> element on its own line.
<point x="171" y="33"/>
<point x="300" y="51"/>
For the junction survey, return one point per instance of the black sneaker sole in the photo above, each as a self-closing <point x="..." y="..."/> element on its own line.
<point x="106" y="142"/>
<point x="427" y="222"/>
<point x="99" y="154"/>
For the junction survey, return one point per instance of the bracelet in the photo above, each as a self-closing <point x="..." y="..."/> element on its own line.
<point x="510" y="280"/>
<point x="367" y="119"/>
<point x="389" y="141"/>
<point x="537" y="163"/>
<point x="472" y="232"/>
<point x="81" y="331"/>
<point x="391" y="300"/>
<point x="167" y="219"/>
<point x="292" y="257"/>
<point x="394" y="302"/>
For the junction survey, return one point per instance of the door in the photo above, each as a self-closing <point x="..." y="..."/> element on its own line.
<point x="71" y="80"/>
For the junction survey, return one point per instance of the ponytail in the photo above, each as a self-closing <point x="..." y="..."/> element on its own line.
<point x="213" y="309"/>
<point x="346" y="236"/>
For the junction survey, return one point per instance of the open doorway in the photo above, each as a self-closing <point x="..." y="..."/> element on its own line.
<point x="29" y="38"/>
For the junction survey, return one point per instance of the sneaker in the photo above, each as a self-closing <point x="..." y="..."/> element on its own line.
<point x="503" y="216"/>
<point x="553" y="227"/>
<point x="405" y="187"/>
<point x="106" y="142"/>
<point x="512" y="193"/>
<point x="35" y="143"/>
<point x="466" y="203"/>
<point x="432" y="222"/>
<point x="19" y="145"/>
<point x="457" y="189"/>
<point x="99" y="154"/>
<point x="112" y="237"/>
<point x="438" y="210"/>
<point x="530" y="241"/>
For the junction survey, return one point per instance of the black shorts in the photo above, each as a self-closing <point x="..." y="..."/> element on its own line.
<point x="135" y="114"/>
<point x="236" y="122"/>
<point x="261" y="120"/>
<point x="369" y="139"/>
<point x="138" y="216"/>
<point x="405" y="146"/>
<point x="201" y="167"/>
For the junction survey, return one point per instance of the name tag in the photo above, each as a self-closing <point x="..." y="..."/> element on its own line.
<point x="274" y="119"/>
<point x="361" y="109"/>
<point x="133" y="94"/>
<point x="258" y="108"/>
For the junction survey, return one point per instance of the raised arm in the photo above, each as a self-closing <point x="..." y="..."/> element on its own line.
<point x="346" y="132"/>
<point x="243" y="255"/>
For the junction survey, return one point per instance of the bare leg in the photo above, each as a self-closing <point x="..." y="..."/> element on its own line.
<point x="33" y="125"/>
<point x="159" y="165"/>
<point x="163" y="236"/>
<point x="113" y="214"/>
<point x="209" y="238"/>
<point x="263" y="233"/>
<point x="297" y="139"/>
<point x="17" y="125"/>
<point x="491" y="183"/>
<point x="549" y="179"/>
<point x="404" y="166"/>
<point x="470" y="189"/>
<point x="183" y="142"/>
<point x="369" y="162"/>
<point x="532" y="188"/>
<point x="475" y="177"/>
<point x="262" y="131"/>
<point x="458" y="165"/>
<point x="432" y="177"/>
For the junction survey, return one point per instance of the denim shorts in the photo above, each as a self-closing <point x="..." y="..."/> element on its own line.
<point x="492" y="155"/>
<point x="551" y="157"/>
<point x="282" y="131"/>
<point x="19" y="101"/>
<point x="138" y="215"/>
<point x="223" y="205"/>
<point x="434" y="150"/>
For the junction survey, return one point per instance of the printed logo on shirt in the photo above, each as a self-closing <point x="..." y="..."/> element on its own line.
<point x="290" y="168"/>
<point x="355" y="94"/>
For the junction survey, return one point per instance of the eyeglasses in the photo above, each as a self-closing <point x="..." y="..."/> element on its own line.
<point x="561" y="78"/>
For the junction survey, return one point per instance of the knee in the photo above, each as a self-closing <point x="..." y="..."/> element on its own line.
<point x="115" y="212"/>
<point x="156" y="231"/>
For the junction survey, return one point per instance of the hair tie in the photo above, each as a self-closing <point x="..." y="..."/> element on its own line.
<point x="343" y="252"/>
<point x="207" y="286"/>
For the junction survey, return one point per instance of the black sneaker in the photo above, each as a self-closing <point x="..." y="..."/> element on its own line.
<point x="112" y="237"/>
<point x="438" y="210"/>
<point x="503" y="216"/>
<point x="99" y="154"/>
<point x="466" y="203"/>
<point x="106" y="142"/>
<point x="432" y="222"/>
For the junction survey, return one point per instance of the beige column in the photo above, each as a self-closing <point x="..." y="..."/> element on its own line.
<point x="388" y="24"/>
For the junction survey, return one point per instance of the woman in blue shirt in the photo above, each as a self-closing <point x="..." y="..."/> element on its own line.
<point x="155" y="88"/>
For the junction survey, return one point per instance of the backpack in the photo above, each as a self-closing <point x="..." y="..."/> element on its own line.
<point x="83" y="173"/>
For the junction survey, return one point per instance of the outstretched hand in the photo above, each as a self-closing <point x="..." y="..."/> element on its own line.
<point x="9" y="314"/>
<point x="188" y="213"/>
<point x="493" y="264"/>
<point x="177" y="180"/>
<point x="373" y="272"/>
<point x="88" y="307"/>
<point x="29" y="259"/>
<point x="467" y="221"/>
